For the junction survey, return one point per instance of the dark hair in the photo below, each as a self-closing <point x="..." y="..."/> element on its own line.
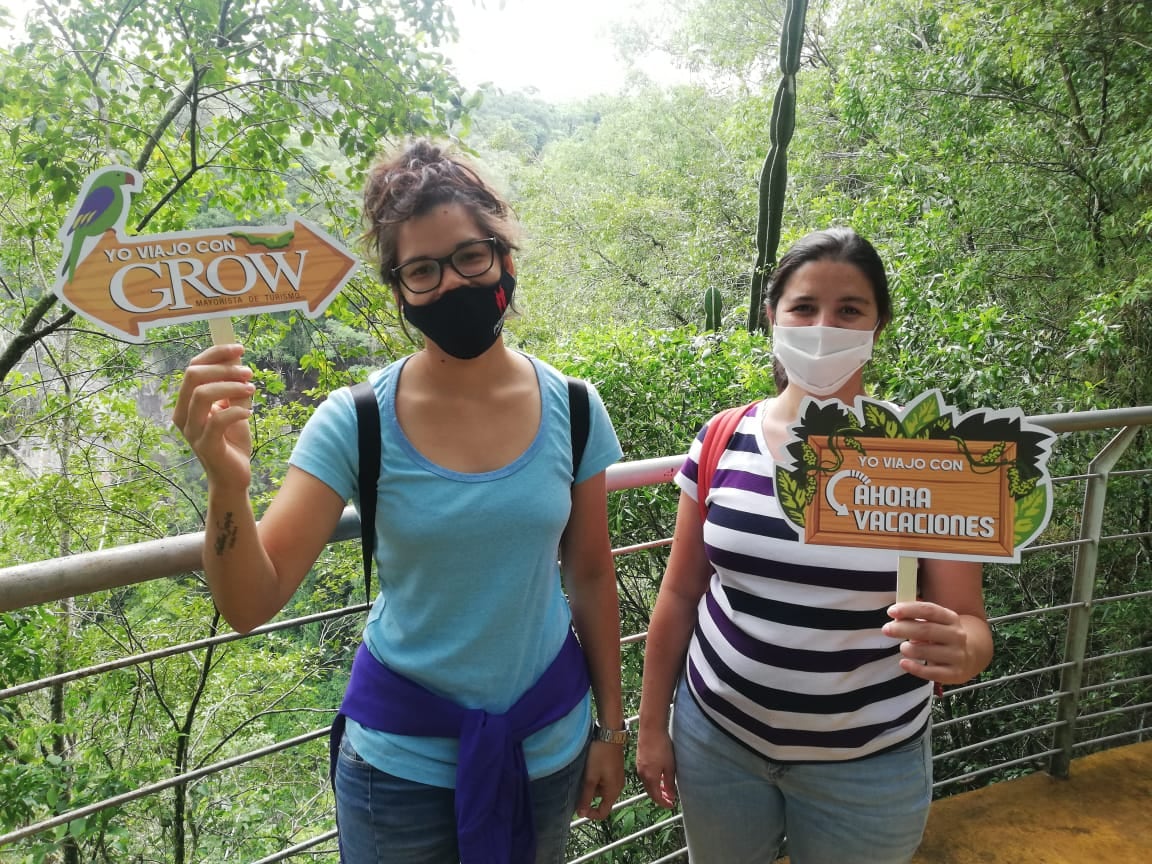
<point x="839" y="244"/>
<point x="411" y="182"/>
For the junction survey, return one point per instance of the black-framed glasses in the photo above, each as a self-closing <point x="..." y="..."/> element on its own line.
<point x="471" y="258"/>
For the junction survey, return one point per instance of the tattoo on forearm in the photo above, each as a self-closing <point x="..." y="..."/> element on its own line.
<point x="225" y="534"/>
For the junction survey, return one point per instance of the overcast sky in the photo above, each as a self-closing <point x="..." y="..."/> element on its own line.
<point x="562" y="48"/>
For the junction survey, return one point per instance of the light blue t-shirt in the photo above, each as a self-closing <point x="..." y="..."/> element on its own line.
<point x="470" y="603"/>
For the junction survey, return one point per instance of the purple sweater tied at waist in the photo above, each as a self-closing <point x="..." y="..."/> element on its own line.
<point x="493" y="805"/>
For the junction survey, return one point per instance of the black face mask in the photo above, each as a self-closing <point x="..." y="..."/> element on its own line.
<point x="466" y="321"/>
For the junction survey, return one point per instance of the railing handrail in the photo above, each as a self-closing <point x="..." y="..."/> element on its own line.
<point x="55" y="579"/>
<point x="88" y="572"/>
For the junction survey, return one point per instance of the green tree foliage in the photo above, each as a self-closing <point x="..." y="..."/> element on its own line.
<point x="215" y="102"/>
<point x="1012" y="138"/>
<point x="634" y="214"/>
<point x="1008" y="198"/>
<point x="517" y="124"/>
<point x="235" y="113"/>
<point x="735" y="40"/>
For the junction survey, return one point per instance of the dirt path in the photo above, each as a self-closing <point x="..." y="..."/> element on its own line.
<point x="1103" y="813"/>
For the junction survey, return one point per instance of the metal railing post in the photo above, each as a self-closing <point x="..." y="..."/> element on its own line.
<point x="1083" y="589"/>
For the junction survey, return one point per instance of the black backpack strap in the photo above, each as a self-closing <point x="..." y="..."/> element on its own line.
<point x="578" y="418"/>
<point x="368" y="440"/>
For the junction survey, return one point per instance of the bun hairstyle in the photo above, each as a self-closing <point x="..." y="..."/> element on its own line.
<point x="842" y="245"/>
<point x="421" y="176"/>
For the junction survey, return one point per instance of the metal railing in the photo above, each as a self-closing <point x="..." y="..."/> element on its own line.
<point x="1053" y="711"/>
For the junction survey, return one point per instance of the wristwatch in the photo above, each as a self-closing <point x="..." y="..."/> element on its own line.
<point x="609" y="736"/>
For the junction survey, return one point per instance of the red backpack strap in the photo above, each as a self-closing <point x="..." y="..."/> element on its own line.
<point x="720" y="431"/>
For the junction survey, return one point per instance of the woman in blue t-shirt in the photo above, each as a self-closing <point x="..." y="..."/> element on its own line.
<point x="466" y="732"/>
<point x="802" y="690"/>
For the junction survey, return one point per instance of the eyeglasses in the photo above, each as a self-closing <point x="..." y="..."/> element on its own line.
<point x="469" y="259"/>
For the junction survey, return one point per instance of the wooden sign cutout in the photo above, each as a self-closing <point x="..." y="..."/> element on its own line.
<point x="128" y="284"/>
<point x="920" y="481"/>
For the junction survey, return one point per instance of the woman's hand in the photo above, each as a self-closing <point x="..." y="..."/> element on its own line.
<point x="669" y="632"/>
<point x="656" y="765"/>
<point x="603" y="779"/>
<point x="212" y="414"/>
<point x="939" y="644"/>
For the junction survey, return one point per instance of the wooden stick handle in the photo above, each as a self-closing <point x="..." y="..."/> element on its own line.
<point x="221" y="330"/>
<point x="906" y="579"/>
<point x="224" y="334"/>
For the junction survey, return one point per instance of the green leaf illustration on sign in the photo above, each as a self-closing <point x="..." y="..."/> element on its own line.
<point x="1030" y="514"/>
<point x="877" y="417"/>
<point x="275" y="241"/>
<point x="920" y="417"/>
<point x="790" y="498"/>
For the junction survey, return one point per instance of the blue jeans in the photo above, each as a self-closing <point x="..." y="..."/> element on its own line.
<point x="387" y="820"/>
<point x="739" y="807"/>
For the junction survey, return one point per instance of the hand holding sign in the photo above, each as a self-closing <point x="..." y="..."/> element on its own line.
<point x="931" y="635"/>
<point x="212" y="409"/>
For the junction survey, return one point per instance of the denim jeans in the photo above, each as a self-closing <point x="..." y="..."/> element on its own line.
<point x="739" y="807"/>
<point x="387" y="820"/>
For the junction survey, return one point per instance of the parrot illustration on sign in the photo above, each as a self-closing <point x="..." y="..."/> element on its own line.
<point x="103" y="204"/>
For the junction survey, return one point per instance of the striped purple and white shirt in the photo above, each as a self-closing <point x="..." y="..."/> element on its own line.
<point x="787" y="655"/>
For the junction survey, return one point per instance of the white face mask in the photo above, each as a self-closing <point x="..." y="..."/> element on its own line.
<point x="820" y="360"/>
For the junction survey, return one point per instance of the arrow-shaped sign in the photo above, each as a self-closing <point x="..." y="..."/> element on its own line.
<point x="128" y="284"/>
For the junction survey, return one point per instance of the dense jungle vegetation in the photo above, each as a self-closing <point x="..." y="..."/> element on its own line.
<point x="999" y="154"/>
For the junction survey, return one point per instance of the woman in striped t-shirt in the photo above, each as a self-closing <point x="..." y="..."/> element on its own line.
<point x="803" y="707"/>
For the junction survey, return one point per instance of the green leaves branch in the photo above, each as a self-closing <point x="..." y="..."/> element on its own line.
<point x="229" y="106"/>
